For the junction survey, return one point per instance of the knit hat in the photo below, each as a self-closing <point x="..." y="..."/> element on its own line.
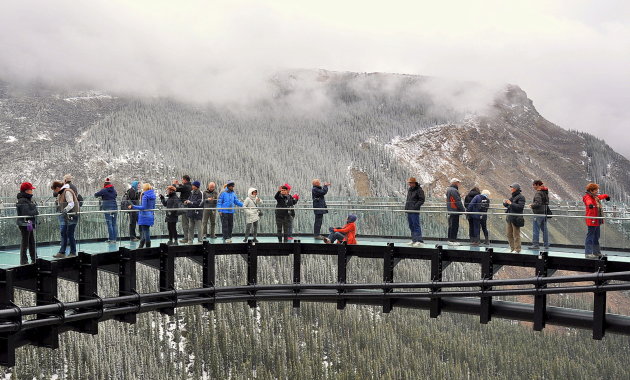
<point x="196" y="184"/>
<point x="287" y="186"/>
<point x="352" y="218"/>
<point x="134" y="185"/>
<point x="229" y="183"/>
<point x="26" y="186"/>
<point x="485" y="192"/>
<point x="412" y="180"/>
<point x="107" y="181"/>
<point x="68" y="178"/>
<point x="515" y="186"/>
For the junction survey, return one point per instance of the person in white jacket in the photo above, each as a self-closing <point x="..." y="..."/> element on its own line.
<point x="252" y="213"/>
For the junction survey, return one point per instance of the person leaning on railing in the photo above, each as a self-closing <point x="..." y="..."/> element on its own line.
<point x="27" y="208"/>
<point x="146" y="216"/>
<point x="593" y="202"/>
<point x="68" y="207"/>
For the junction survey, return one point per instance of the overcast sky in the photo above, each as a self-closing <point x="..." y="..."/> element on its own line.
<point x="571" y="57"/>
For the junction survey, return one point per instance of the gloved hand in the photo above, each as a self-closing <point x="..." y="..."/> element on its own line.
<point x="161" y="196"/>
<point x="608" y="198"/>
<point x="296" y="197"/>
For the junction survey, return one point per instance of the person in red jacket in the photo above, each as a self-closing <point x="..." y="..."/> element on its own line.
<point x="346" y="233"/>
<point x="593" y="202"/>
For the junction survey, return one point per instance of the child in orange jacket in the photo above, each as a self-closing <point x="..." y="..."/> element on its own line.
<point x="347" y="233"/>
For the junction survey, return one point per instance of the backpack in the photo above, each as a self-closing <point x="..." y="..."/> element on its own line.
<point x="80" y="199"/>
<point x="485" y="205"/>
<point x="125" y="202"/>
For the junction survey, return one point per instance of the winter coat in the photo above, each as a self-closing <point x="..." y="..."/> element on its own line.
<point x="517" y="203"/>
<point x="415" y="198"/>
<point x="26" y="207"/>
<point x="475" y="206"/>
<point x="283" y="204"/>
<point x="131" y="197"/>
<point x="172" y="201"/>
<point x="184" y="190"/>
<point x="593" y="205"/>
<point x="469" y="197"/>
<point x="196" y="201"/>
<point x="318" y="199"/>
<point x="108" y="197"/>
<point x="541" y="201"/>
<point x="146" y="217"/>
<point x="250" y="207"/>
<point x="210" y="194"/>
<point x="227" y="201"/>
<point x="350" y="230"/>
<point x="453" y="199"/>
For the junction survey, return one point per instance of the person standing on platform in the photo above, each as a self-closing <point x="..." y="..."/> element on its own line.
<point x="415" y="200"/>
<point x="593" y="202"/>
<point x="68" y="207"/>
<point x="319" y="204"/>
<point x="225" y="205"/>
<point x="252" y="214"/>
<point x="131" y="197"/>
<point x="284" y="203"/>
<point x="146" y="216"/>
<point x="184" y="189"/>
<point x="28" y="209"/>
<point x="210" y="196"/>
<point x="173" y="204"/>
<point x="467" y="199"/>
<point x="514" y="205"/>
<point x="479" y="204"/>
<point x="454" y="206"/>
<point x="540" y="207"/>
<point x="108" y="196"/>
<point x="195" y="202"/>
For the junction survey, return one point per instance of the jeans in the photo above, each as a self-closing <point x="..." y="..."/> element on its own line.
<point x="208" y="216"/>
<point x="540" y="224"/>
<point x="317" y="227"/>
<point x="591" y="245"/>
<point x="67" y="237"/>
<point x="227" y="224"/>
<point x="475" y="230"/>
<point x="334" y="236"/>
<point x="145" y="233"/>
<point x="453" y="227"/>
<point x="133" y="220"/>
<point x="28" y="241"/>
<point x="413" y="219"/>
<point x="112" y="226"/>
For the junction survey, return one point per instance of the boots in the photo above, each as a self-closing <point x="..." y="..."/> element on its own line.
<point x="141" y="244"/>
<point x="487" y="241"/>
<point x="148" y="245"/>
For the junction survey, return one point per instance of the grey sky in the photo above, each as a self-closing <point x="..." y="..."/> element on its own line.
<point x="572" y="57"/>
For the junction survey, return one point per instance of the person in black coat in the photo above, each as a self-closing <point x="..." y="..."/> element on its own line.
<point x="27" y="208"/>
<point x="319" y="203"/>
<point x="131" y="197"/>
<point x="514" y="205"/>
<point x="172" y="203"/>
<point x="284" y="203"/>
<point x="467" y="199"/>
<point x="194" y="201"/>
<point x="184" y="189"/>
<point x="415" y="200"/>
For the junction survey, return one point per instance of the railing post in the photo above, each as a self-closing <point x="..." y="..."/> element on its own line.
<point x="436" y="276"/>
<point x="297" y="269"/>
<point x="388" y="275"/>
<point x="88" y="287"/>
<point x="487" y="271"/>
<point x="599" y="303"/>
<point x="8" y="342"/>
<point x="252" y="268"/>
<point x="46" y="294"/>
<point x="209" y="270"/>
<point x="167" y="274"/>
<point x="342" y="271"/>
<point x="540" y="300"/>
<point x="126" y="280"/>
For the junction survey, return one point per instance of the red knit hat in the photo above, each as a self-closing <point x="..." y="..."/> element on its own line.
<point x="26" y="186"/>
<point x="287" y="186"/>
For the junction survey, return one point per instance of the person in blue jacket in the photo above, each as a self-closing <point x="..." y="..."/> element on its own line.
<point x="479" y="204"/>
<point x="225" y="206"/>
<point x="146" y="216"/>
<point x="108" y="203"/>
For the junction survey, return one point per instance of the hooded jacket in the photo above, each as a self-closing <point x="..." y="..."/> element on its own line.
<point x="26" y="207"/>
<point x="108" y="197"/>
<point x="146" y="217"/>
<point x="593" y="205"/>
<point x="250" y="207"/>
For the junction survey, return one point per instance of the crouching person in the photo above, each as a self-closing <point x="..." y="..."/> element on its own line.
<point x="346" y="233"/>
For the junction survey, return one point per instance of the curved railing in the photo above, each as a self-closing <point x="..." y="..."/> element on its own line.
<point x="42" y="323"/>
